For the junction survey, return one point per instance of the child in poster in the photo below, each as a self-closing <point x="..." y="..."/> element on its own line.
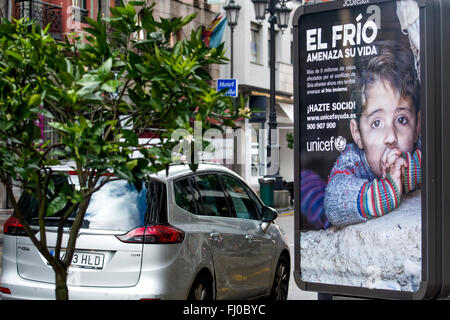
<point x="370" y="176"/>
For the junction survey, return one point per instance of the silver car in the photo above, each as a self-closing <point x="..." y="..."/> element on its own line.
<point x="185" y="235"/>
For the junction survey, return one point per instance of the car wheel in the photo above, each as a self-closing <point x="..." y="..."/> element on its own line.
<point x="201" y="289"/>
<point x="281" y="281"/>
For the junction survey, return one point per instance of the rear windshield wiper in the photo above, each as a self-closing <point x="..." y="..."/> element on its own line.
<point x="54" y="222"/>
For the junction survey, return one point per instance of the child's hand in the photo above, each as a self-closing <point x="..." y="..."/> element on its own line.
<point x="388" y="158"/>
<point x="396" y="171"/>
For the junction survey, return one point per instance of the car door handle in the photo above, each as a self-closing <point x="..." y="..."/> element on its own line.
<point x="251" y="238"/>
<point x="214" y="236"/>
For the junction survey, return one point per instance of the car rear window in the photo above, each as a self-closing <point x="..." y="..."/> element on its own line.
<point x="116" y="206"/>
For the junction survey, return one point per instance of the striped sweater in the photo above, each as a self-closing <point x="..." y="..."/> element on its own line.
<point x="354" y="194"/>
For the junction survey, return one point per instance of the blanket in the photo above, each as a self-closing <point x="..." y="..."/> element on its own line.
<point x="382" y="253"/>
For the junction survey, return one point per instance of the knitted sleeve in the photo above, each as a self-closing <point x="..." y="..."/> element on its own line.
<point x="355" y="195"/>
<point x="378" y="197"/>
<point x="412" y="176"/>
<point x="344" y="184"/>
<point x="381" y="196"/>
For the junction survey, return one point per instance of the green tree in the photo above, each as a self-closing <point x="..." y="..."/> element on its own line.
<point x="290" y="140"/>
<point x="88" y="88"/>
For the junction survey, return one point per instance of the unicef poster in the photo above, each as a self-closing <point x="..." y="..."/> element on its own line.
<point x="360" y="145"/>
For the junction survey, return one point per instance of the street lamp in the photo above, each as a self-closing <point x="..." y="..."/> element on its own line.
<point x="232" y="10"/>
<point x="279" y="14"/>
<point x="282" y="13"/>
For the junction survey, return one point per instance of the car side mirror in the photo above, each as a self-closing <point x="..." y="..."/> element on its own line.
<point x="269" y="214"/>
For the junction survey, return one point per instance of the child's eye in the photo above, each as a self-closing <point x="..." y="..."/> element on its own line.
<point x="402" y="120"/>
<point x="376" y="124"/>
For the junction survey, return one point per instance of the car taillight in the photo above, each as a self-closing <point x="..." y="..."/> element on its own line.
<point x="155" y="234"/>
<point x="5" y="290"/>
<point x="13" y="227"/>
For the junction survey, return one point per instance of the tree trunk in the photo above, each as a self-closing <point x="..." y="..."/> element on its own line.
<point x="61" y="291"/>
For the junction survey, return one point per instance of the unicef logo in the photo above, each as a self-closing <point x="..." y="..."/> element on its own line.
<point x="340" y="143"/>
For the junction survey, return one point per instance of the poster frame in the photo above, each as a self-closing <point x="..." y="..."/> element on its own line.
<point x="431" y="285"/>
<point x="443" y="34"/>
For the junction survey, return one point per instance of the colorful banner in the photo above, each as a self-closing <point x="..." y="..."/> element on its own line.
<point x="212" y="36"/>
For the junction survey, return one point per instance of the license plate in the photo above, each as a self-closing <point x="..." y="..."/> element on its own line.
<point x="86" y="260"/>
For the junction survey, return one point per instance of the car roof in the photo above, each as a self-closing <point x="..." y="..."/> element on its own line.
<point x="175" y="170"/>
<point x="179" y="170"/>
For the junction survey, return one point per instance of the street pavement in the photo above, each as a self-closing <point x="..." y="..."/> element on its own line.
<point x="285" y="220"/>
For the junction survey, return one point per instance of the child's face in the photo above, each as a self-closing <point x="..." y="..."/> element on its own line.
<point x="388" y="122"/>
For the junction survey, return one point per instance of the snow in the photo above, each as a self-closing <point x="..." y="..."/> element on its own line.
<point x="382" y="253"/>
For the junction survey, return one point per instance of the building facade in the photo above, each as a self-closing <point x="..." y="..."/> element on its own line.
<point x="68" y="16"/>
<point x="65" y="17"/>
<point x="245" y="148"/>
<point x="251" y="67"/>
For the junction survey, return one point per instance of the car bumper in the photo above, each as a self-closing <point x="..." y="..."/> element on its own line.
<point x="22" y="289"/>
<point x="170" y="280"/>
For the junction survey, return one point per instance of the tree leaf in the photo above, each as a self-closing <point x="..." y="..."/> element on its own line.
<point x="130" y="136"/>
<point x="15" y="55"/>
<point x="156" y="104"/>
<point x="56" y="205"/>
<point x="136" y="3"/>
<point x="132" y="164"/>
<point x="34" y="101"/>
<point x="110" y="85"/>
<point x="43" y="111"/>
<point x="58" y="126"/>
<point x="124" y="173"/>
<point x="105" y="68"/>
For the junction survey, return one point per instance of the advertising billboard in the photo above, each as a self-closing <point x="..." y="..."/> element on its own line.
<point x="366" y="211"/>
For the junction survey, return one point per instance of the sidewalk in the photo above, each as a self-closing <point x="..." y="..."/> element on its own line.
<point x="285" y="210"/>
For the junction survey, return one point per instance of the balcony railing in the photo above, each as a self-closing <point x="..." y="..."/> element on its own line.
<point x="79" y="14"/>
<point x="42" y="12"/>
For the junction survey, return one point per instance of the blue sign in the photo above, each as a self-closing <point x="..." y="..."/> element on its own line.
<point x="230" y="84"/>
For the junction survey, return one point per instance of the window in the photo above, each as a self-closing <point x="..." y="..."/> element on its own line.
<point x="255" y="43"/>
<point x="258" y="204"/>
<point x="103" y="8"/>
<point x="242" y="203"/>
<point x="206" y="5"/>
<point x="212" y="196"/>
<point x="257" y="150"/>
<point x="157" y="203"/>
<point x="80" y="11"/>
<point x="80" y="3"/>
<point x="186" y="196"/>
<point x="118" y="205"/>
